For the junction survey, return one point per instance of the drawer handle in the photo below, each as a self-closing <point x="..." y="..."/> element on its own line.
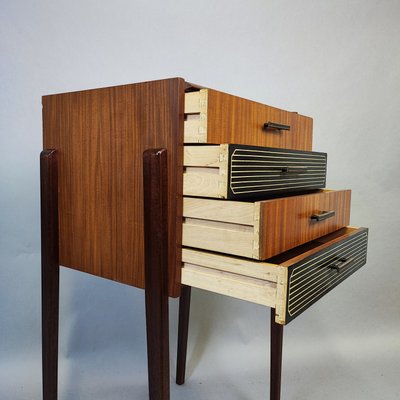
<point x="294" y="170"/>
<point x="323" y="215"/>
<point x="341" y="263"/>
<point x="274" y="125"/>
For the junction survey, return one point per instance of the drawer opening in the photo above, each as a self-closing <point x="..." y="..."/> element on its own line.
<point x="225" y="226"/>
<point x="192" y="117"/>
<point x="201" y="170"/>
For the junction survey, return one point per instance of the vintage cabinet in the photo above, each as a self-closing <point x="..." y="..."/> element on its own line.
<point x="246" y="212"/>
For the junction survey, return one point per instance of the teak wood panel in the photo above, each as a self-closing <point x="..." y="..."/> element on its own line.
<point x="286" y="222"/>
<point x="224" y="118"/>
<point x="262" y="229"/>
<point x="100" y="136"/>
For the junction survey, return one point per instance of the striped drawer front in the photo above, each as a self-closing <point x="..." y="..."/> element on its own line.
<point x="264" y="171"/>
<point x="316" y="275"/>
<point x="239" y="172"/>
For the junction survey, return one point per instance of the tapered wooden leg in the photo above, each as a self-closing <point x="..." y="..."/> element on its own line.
<point x="183" y="331"/>
<point x="156" y="273"/>
<point x="50" y="271"/>
<point x="276" y="358"/>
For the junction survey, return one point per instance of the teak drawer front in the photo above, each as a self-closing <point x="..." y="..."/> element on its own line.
<point x="216" y="117"/>
<point x="290" y="282"/>
<point x="262" y="229"/>
<point x="230" y="171"/>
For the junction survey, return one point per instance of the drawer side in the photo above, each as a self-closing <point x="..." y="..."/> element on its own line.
<point x="237" y="286"/>
<point x="218" y="236"/>
<point x="205" y="171"/>
<point x="195" y="124"/>
<point x="232" y="276"/>
<point x="224" y="226"/>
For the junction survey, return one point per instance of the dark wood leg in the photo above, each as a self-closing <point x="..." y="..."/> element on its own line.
<point x="276" y="358"/>
<point x="183" y="331"/>
<point x="156" y="271"/>
<point x="50" y="271"/>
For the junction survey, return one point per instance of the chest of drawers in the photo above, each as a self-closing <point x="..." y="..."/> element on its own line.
<point x="100" y="136"/>
<point x="247" y="214"/>
<point x="219" y="146"/>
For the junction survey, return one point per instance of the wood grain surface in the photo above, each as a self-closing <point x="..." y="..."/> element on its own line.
<point x="231" y="119"/>
<point x="50" y="271"/>
<point x="276" y="346"/>
<point x="285" y="222"/>
<point x="183" y="334"/>
<point x="155" y="177"/>
<point x="100" y="136"/>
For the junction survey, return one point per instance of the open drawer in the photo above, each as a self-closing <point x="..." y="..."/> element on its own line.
<point x="232" y="171"/>
<point x="265" y="228"/>
<point x="216" y="117"/>
<point x="290" y="282"/>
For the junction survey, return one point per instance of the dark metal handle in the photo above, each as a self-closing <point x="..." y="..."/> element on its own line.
<point x="274" y="125"/>
<point x="323" y="215"/>
<point x="294" y="170"/>
<point x="342" y="263"/>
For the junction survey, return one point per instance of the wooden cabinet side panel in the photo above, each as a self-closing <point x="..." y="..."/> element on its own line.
<point x="286" y="223"/>
<point x="100" y="136"/>
<point x="231" y="119"/>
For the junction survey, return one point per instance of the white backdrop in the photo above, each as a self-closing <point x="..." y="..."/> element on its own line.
<point x="336" y="61"/>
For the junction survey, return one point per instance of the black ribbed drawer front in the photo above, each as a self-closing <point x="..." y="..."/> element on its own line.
<point x="314" y="276"/>
<point x="265" y="171"/>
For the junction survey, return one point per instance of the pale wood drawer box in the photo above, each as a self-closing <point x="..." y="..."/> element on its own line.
<point x="290" y="282"/>
<point x="262" y="229"/>
<point x="215" y="117"/>
<point x="231" y="171"/>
